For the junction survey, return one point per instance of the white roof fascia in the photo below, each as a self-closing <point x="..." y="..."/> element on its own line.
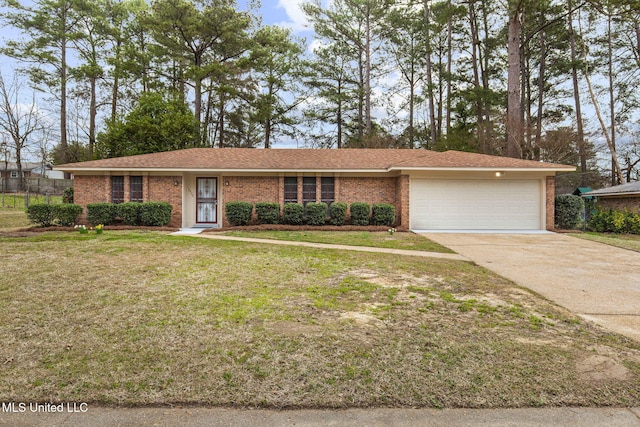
<point x="484" y="168"/>
<point x="180" y="170"/>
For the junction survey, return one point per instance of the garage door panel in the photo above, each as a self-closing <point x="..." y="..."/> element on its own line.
<point x="475" y="204"/>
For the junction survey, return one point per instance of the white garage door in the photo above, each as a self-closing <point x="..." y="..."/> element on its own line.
<point x="475" y="204"/>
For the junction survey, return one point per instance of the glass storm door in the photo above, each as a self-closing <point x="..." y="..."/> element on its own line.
<point x="206" y="200"/>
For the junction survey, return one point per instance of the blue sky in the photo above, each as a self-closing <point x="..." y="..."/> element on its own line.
<point x="286" y="13"/>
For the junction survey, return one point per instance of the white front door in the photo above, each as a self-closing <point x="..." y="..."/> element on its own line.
<point x="207" y="200"/>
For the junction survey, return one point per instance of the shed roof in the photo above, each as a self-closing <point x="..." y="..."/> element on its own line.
<point x="630" y="188"/>
<point x="249" y="159"/>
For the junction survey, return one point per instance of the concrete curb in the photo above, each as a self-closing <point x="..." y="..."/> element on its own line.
<point x="195" y="416"/>
<point x="405" y="252"/>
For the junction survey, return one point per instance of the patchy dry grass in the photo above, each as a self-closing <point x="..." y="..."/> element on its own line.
<point x="12" y="211"/>
<point x="133" y="318"/>
<point x="399" y="240"/>
<point x="624" y="241"/>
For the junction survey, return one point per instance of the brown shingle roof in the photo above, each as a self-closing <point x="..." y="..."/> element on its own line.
<point x="249" y="159"/>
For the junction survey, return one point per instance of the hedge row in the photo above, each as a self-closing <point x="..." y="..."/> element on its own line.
<point x="615" y="221"/>
<point x="151" y="214"/>
<point x="568" y="211"/>
<point x="46" y="215"/>
<point x="239" y="213"/>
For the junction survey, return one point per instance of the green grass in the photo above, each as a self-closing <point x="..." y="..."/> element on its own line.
<point x="624" y="241"/>
<point x="404" y="240"/>
<point x="142" y="318"/>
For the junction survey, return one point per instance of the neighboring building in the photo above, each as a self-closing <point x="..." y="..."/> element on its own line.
<point x="47" y="171"/>
<point x="430" y="190"/>
<point x="10" y="169"/>
<point x="625" y="196"/>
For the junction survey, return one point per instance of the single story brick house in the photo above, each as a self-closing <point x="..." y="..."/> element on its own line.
<point x="625" y="196"/>
<point x="431" y="190"/>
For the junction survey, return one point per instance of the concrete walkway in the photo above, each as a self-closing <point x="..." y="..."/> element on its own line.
<point x="97" y="417"/>
<point x="217" y="236"/>
<point x="599" y="282"/>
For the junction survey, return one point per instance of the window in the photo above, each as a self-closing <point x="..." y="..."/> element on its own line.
<point x="117" y="189"/>
<point x="308" y="190"/>
<point x="14" y="174"/>
<point x="327" y="190"/>
<point x="291" y="189"/>
<point x="135" y="184"/>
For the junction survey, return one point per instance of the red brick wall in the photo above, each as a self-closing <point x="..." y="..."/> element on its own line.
<point x="550" y="202"/>
<point x="97" y="189"/>
<point x="252" y="189"/>
<point x="347" y="189"/>
<point x="166" y="189"/>
<point x="619" y="203"/>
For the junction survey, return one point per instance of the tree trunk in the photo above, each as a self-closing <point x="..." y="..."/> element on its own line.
<point x="449" y="59"/>
<point x="476" y="76"/>
<point x="582" y="151"/>
<point x="367" y="77"/>
<point x="93" y="112"/>
<point x="116" y="81"/>
<point x="221" y="121"/>
<point x="63" y="101"/>
<point x="541" y="80"/>
<point x="514" y="107"/>
<point x="432" y="113"/>
<point x="615" y="178"/>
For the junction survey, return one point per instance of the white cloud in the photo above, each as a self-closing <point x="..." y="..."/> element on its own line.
<point x="297" y="19"/>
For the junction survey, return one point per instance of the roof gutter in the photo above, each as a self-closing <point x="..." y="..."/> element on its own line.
<point x="484" y="168"/>
<point x="201" y="170"/>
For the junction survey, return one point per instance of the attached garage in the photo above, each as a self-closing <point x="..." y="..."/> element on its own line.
<point x="476" y="204"/>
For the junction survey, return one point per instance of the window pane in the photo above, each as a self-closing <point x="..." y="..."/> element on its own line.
<point x="328" y="190"/>
<point x="117" y="189"/>
<point x="291" y="189"/>
<point x="135" y="183"/>
<point x="308" y="189"/>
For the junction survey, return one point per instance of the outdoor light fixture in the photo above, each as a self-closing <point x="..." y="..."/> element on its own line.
<point x="499" y="174"/>
<point x="226" y="183"/>
<point x="175" y="182"/>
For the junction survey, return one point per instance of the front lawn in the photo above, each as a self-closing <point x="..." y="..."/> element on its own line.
<point x="399" y="240"/>
<point x="624" y="241"/>
<point x="142" y="318"/>
<point x="12" y="209"/>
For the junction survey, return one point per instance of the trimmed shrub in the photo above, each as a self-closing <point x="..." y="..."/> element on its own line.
<point x="292" y="213"/>
<point x="102" y="213"/>
<point x="130" y="212"/>
<point x="337" y="213"/>
<point x="268" y="212"/>
<point x="383" y="214"/>
<point x="67" y="196"/>
<point x="238" y="213"/>
<point x="316" y="213"/>
<point x="41" y="214"/>
<point x="66" y="214"/>
<point x="615" y="221"/>
<point x="155" y="214"/>
<point x="360" y="213"/>
<point x="568" y="209"/>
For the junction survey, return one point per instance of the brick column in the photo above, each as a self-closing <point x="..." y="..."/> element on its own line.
<point x="402" y="201"/>
<point x="550" y="202"/>
<point x="127" y="188"/>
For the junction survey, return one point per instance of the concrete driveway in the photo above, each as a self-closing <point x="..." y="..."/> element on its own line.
<point x="599" y="282"/>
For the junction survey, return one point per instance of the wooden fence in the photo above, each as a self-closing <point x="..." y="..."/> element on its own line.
<point x="35" y="185"/>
